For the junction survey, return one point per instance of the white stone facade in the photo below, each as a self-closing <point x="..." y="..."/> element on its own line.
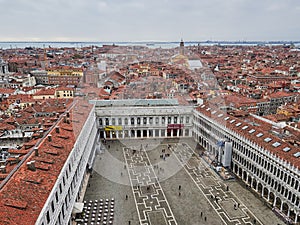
<point x="275" y="180"/>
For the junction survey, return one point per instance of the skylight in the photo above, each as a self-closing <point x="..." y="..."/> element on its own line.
<point x="202" y="106"/>
<point x="268" y="139"/>
<point x="259" y="135"/>
<point x="213" y="112"/>
<point x="244" y="127"/>
<point x="238" y="124"/>
<point x="297" y="154"/>
<point x="286" y="149"/>
<point x="251" y="131"/>
<point x="226" y="118"/>
<point x="220" y="115"/>
<point x="207" y="109"/>
<point x="232" y="121"/>
<point x="276" y="144"/>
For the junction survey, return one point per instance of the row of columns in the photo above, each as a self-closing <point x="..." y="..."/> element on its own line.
<point x="210" y="147"/>
<point x="270" y="181"/>
<point x="181" y="119"/>
<point x="246" y="177"/>
<point x="149" y="133"/>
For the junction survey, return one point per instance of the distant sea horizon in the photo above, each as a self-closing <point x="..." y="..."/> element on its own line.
<point x="150" y="44"/>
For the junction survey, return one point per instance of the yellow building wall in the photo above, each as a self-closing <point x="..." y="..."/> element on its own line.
<point x="64" y="94"/>
<point x="78" y="73"/>
<point x="43" y="96"/>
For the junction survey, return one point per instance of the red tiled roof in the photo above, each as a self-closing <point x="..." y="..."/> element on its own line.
<point x="7" y="90"/>
<point x="23" y="196"/>
<point x="280" y="94"/>
<point x="258" y="127"/>
<point x="49" y="91"/>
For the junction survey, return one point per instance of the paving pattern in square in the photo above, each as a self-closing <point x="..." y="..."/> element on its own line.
<point x="223" y="201"/>
<point x="152" y="205"/>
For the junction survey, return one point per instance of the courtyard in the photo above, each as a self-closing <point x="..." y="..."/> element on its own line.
<point x="165" y="181"/>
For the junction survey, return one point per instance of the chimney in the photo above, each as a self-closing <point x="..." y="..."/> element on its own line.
<point x="36" y="151"/>
<point x="49" y="137"/>
<point x="31" y="165"/>
<point x="68" y="114"/>
<point x="41" y="131"/>
<point x="3" y="169"/>
<point x="57" y="129"/>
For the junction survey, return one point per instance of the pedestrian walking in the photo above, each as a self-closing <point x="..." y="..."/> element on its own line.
<point x="205" y="218"/>
<point x="201" y="214"/>
<point x="126" y="197"/>
<point x="179" y="187"/>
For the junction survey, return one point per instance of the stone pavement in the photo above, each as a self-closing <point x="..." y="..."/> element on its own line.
<point x="225" y="203"/>
<point x="150" y="180"/>
<point x="152" y="205"/>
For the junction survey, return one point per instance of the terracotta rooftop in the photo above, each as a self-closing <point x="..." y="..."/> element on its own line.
<point x="24" y="192"/>
<point x="257" y="132"/>
<point x="280" y="94"/>
<point x="49" y="91"/>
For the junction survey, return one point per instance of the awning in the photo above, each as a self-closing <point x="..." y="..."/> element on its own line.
<point x="78" y="207"/>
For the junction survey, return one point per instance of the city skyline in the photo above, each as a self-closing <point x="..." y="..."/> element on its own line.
<point x="155" y="20"/>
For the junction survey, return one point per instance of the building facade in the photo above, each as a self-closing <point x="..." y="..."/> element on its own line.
<point x="258" y="158"/>
<point x="66" y="191"/>
<point x="162" y="118"/>
<point x="261" y="160"/>
<point x="3" y="67"/>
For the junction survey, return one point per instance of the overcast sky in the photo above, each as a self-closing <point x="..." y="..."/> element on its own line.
<point x="140" y="20"/>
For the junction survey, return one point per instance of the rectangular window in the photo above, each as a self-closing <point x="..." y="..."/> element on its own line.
<point x="181" y="119"/>
<point x="187" y="132"/>
<point x="63" y="211"/>
<point x="48" y="217"/>
<point x="52" y="206"/>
